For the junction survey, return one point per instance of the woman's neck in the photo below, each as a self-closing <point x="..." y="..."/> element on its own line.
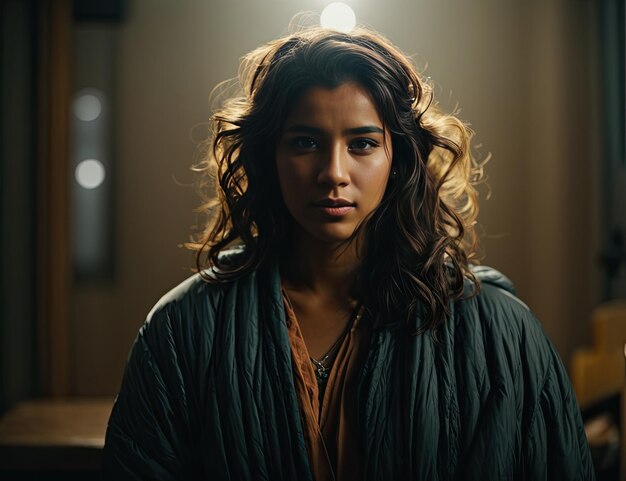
<point x="325" y="270"/>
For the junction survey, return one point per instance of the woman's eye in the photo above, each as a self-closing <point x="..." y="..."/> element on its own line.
<point x="303" y="143"/>
<point x="362" y="145"/>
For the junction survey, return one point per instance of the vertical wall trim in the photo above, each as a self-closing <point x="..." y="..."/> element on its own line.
<point x="53" y="253"/>
<point x="19" y="378"/>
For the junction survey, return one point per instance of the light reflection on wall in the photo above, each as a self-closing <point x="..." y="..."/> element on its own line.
<point x="92" y="151"/>
<point x="90" y="173"/>
<point x="87" y="107"/>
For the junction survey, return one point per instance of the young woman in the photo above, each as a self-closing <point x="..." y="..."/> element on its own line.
<point x="337" y="329"/>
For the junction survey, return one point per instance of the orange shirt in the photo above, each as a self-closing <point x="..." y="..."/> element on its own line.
<point x="331" y="431"/>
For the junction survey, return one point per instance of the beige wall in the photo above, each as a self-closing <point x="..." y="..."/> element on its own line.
<point x="519" y="70"/>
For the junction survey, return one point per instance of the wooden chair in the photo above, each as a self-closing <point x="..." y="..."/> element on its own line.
<point x="598" y="372"/>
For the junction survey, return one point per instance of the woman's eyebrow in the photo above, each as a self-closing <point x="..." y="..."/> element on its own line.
<point x="366" y="129"/>
<point x="301" y="128"/>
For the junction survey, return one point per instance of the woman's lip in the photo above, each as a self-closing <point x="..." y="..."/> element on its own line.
<point x="336" y="211"/>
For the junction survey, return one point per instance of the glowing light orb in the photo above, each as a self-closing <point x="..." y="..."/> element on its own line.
<point x="87" y="107"/>
<point x="338" y="16"/>
<point x="90" y="173"/>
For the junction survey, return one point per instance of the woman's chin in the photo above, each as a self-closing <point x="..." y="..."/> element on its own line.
<point x="330" y="234"/>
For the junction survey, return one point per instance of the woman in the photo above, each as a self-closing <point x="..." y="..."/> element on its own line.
<point x="336" y="328"/>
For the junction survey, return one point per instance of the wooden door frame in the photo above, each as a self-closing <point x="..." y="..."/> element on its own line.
<point x="53" y="203"/>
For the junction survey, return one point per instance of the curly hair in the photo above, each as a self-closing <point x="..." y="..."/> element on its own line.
<point x="418" y="241"/>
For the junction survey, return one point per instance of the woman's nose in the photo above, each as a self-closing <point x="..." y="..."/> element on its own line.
<point x="334" y="168"/>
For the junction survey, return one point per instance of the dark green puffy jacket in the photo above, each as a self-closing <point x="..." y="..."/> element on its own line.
<point x="208" y="394"/>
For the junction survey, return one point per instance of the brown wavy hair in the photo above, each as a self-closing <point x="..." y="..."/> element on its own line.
<point x="420" y="239"/>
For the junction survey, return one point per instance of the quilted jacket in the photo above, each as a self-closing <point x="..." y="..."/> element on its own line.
<point x="208" y="393"/>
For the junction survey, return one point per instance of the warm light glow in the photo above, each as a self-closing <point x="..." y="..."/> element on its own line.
<point x="338" y="16"/>
<point x="90" y="173"/>
<point x="87" y="107"/>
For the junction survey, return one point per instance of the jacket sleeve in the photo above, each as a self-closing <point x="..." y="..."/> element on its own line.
<point x="147" y="435"/>
<point x="555" y="445"/>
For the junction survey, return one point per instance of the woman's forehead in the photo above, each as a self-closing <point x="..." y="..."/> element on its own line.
<point x="347" y="103"/>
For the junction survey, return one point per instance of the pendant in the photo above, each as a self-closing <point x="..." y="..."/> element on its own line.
<point x="321" y="372"/>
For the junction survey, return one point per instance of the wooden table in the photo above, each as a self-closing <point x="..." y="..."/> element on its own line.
<point x="54" y="434"/>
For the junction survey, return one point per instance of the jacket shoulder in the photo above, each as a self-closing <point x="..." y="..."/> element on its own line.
<point x="196" y="297"/>
<point x="514" y="389"/>
<point x="499" y="331"/>
<point x="496" y="308"/>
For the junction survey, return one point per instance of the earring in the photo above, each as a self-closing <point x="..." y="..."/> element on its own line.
<point x="394" y="173"/>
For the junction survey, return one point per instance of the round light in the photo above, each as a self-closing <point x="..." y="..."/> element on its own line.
<point x="87" y="107"/>
<point x="90" y="173"/>
<point x="338" y="16"/>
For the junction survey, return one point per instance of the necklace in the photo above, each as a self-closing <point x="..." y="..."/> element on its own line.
<point x="323" y="366"/>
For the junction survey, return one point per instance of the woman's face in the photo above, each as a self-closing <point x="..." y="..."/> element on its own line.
<point x="333" y="161"/>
